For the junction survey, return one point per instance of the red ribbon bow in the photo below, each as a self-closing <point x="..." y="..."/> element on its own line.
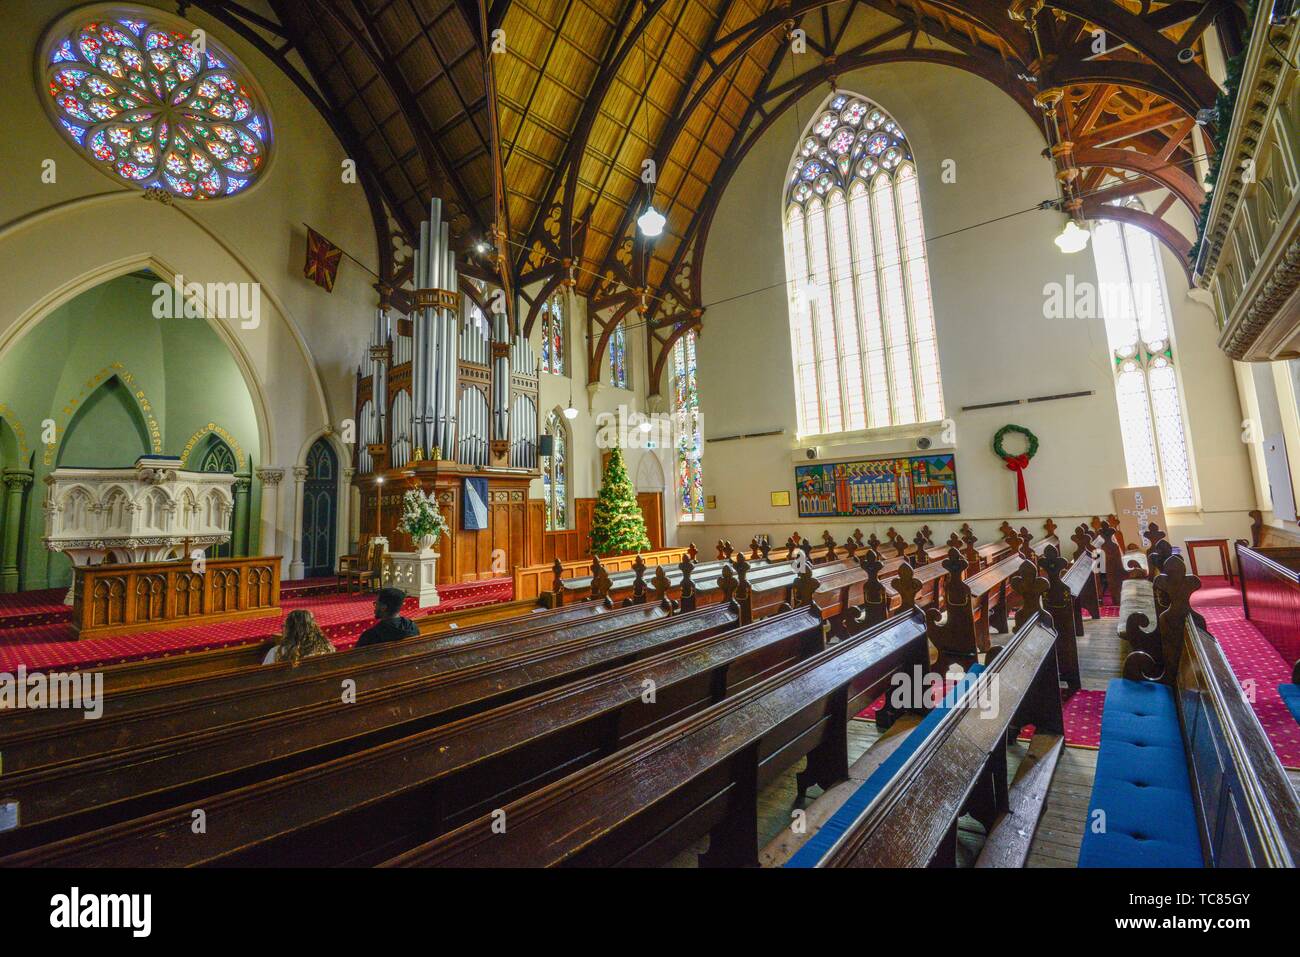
<point x="1017" y="463"/>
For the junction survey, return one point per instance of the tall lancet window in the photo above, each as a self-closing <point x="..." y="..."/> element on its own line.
<point x="861" y="318"/>
<point x="553" y="336"/>
<point x="1139" y="331"/>
<point x="554" y="486"/>
<point x="618" y="358"/>
<point x="690" y="443"/>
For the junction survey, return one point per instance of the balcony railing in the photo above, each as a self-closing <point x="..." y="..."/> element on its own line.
<point x="1250" y="256"/>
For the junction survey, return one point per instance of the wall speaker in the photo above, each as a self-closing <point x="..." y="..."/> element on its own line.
<point x="923" y="442"/>
<point x="810" y="453"/>
<point x="546" y="445"/>
<point x="1186" y="55"/>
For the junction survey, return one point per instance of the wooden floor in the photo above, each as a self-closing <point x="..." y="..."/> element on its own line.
<point x="1060" y="831"/>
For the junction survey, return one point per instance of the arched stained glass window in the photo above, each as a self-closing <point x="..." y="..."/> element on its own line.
<point x="554" y="475"/>
<point x="861" y="315"/>
<point x="1139" y="332"/>
<point x="618" y="358"/>
<point x="220" y="458"/>
<point x="690" y="442"/>
<point x="149" y="106"/>
<point x="553" y="336"/>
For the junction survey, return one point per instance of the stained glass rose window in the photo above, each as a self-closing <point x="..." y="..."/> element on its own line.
<point x="155" y="102"/>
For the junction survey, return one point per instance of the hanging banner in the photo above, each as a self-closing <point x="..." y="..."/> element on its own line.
<point x="474" y="511"/>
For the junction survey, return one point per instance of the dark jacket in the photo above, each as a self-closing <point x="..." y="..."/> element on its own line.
<point x="388" y="629"/>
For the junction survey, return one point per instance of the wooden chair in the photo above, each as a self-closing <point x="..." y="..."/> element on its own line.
<point x="365" y="568"/>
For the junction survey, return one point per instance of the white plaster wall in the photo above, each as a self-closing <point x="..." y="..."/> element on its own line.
<point x="59" y="238"/>
<point x="994" y="343"/>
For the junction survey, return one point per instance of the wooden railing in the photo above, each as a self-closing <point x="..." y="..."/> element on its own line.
<point x="532" y="580"/>
<point x="116" y="599"/>
<point x="1270" y="592"/>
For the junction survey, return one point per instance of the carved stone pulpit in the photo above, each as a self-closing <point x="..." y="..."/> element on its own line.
<point x="149" y="512"/>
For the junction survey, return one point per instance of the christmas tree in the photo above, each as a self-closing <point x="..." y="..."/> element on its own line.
<point x="617" y="525"/>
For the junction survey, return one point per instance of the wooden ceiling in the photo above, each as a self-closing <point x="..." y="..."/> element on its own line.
<point x="587" y="90"/>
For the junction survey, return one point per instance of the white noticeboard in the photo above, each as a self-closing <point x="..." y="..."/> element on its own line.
<point x="1137" y="507"/>
<point x="1279" y="477"/>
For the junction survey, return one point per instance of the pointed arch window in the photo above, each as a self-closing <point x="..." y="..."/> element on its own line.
<point x="555" y="486"/>
<point x="861" y="316"/>
<point x="618" y="358"/>
<point x="553" y="336"/>
<point x="1139" y="331"/>
<point x="690" y="442"/>
<point x="220" y="458"/>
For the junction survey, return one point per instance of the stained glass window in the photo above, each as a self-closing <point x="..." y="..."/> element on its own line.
<point x="861" y="315"/>
<point x="689" y="441"/>
<point x="618" y="358"/>
<point x="147" y="103"/>
<point x="553" y="336"/>
<point x="554" y="475"/>
<point x="1139" y="332"/>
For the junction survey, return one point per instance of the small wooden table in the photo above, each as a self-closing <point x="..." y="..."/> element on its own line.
<point x="1191" y="544"/>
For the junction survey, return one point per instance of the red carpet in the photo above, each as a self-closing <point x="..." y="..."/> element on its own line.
<point x="341" y="617"/>
<point x="1260" y="669"/>
<point x="1081" y="711"/>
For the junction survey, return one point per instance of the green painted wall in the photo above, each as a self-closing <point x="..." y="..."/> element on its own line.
<point x="118" y="382"/>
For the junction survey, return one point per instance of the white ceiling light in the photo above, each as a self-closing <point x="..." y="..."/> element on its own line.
<point x="651" y="222"/>
<point x="1072" y="238"/>
<point x="571" y="412"/>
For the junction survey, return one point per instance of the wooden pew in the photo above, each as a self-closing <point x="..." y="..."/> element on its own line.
<point x="365" y="806"/>
<point x="214" y="661"/>
<point x="139" y="717"/>
<point x="1221" y="797"/>
<point x="908" y="817"/>
<point x="1270" y="594"/>
<point x="645" y="803"/>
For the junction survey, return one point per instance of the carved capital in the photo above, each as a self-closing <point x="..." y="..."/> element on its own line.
<point x="270" y="476"/>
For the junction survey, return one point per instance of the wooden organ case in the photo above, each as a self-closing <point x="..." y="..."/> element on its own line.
<point x="452" y="393"/>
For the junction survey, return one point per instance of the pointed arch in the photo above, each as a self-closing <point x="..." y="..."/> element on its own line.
<point x="107" y="429"/>
<point x="555" y="471"/>
<point x="862" y="325"/>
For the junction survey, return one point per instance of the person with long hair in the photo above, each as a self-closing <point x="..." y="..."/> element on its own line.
<point x="302" y="638"/>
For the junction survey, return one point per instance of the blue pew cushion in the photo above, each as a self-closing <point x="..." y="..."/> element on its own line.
<point x="815" y="848"/>
<point x="1142" y="813"/>
<point x="1291" y="698"/>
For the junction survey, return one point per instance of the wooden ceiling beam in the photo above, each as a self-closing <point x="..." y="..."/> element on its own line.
<point x="431" y="152"/>
<point x="1119" y="130"/>
<point x="666" y="140"/>
<point x="1176" y="242"/>
<point x="557" y="176"/>
<point x="1188" y="79"/>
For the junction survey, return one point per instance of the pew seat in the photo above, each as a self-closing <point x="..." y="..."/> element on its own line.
<point x="1291" y="698"/>
<point x="1141" y="786"/>
<point x="816" y="847"/>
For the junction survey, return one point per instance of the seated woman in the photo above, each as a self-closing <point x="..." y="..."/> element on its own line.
<point x="302" y="638"/>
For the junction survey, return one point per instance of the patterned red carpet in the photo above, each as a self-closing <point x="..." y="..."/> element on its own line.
<point x="47" y="641"/>
<point x="1080" y="709"/>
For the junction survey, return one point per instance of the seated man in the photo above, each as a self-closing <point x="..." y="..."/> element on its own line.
<point x="392" y="626"/>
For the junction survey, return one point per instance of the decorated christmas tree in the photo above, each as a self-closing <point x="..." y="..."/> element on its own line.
<point x="617" y="525"/>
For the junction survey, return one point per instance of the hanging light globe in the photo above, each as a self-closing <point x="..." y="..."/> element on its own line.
<point x="1072" y="238"/>
<point x="651" y="222"/>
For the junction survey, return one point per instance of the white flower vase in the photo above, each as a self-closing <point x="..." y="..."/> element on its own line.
<point x="426" y="542"/>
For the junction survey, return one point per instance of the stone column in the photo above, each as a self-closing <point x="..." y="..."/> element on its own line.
<point x="270" y="479"/>
<point x="345" y="506"/>
<point x="239" y="537"/>
<point x="15" y="482"/>
<point x="296" y="568"/>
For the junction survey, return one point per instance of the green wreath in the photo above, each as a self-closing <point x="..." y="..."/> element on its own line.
<point x="1002" y="453"/>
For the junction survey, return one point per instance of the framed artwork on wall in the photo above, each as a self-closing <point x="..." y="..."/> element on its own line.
<point x="905" y="485"/>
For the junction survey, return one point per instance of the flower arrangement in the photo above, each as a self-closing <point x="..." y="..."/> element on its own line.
<point x="421" y="518"/>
